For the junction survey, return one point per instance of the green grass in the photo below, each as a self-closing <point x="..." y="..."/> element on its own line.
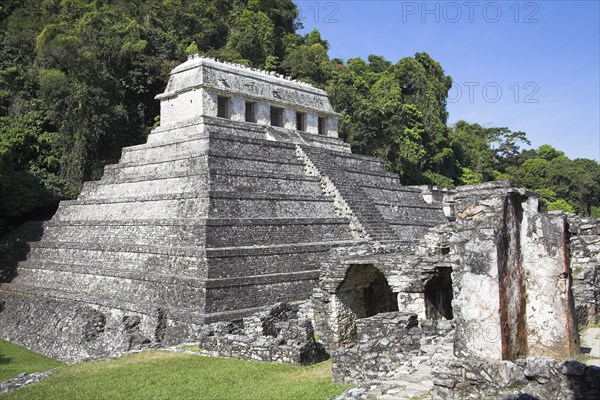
<point x="166" y="375"/>
<point x="15" y="359"/>
<point x="191" y="347"/>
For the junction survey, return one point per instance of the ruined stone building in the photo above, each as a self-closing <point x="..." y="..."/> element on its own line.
<point x="244" y="197"/>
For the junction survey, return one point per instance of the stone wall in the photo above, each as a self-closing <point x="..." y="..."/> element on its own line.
<point x="408" y="269"/>
<point x="516" y="258"/>
<point x="386" y="342"/>
<point x="87" y="331"/>
<point x="274" y="335"/>
<point x="534" y="378"/>
<point x="585" y="262"/>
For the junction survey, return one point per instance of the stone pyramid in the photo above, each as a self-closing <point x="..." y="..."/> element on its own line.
<point x="232" y="204"/>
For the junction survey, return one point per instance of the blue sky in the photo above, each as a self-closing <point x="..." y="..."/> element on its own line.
<point x="532" y="66"/>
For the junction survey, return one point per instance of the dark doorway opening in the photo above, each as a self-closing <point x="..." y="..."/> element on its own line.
<point x="276" y="116"/>
<point x="223" y="107"/>
<point x="300" y="121"/>
<point x="250" y="112"/>
<point x="438" y="295"/>
<point x="321" y="126"/>
<point x="366" y="292"/>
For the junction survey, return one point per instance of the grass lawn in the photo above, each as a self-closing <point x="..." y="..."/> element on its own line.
<point x="166" y="375"/>
<point x="15" y="359"/>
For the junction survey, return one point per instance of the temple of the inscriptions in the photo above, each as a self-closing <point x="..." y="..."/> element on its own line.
<point x="244" y="197"/>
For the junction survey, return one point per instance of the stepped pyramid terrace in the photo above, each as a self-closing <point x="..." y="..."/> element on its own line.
<point x="244" y="221"/>
<point x="232" y="204"/>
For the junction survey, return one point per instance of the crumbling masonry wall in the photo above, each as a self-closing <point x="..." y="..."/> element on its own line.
<point x="513" y="293"/>
<point x="585" y="262"/>
<point x="524" y="379"/>
<point x="278" y="334"/>
<point x="386" y="342"/>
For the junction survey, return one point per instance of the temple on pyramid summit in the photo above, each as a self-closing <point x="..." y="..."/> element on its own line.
<point x="232" y="204"/>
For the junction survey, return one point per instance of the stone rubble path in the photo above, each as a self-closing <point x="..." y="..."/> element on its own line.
<point x="408" y="382"/>
<point x="23" y="380"/>
<point x="591" y="339"/>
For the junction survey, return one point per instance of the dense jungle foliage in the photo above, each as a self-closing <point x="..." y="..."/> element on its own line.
<point x="78" y="79"/>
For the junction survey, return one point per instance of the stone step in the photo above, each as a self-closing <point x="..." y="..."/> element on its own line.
<point x="240" y="136"/>
<point x="247" y="292"/>
<point x="240" y="164"/>
<point x="243" y="232"/>
<point x="130" y="172"/>
<point x="218" y="129"/>
<point x="367" y="214"/>
<point x="181" y="133"/>
<point x="193" y="315"/>
<point x="181" y="251"/>
<point x="364" y="177"/>
<point x="216" y="232"/>
<point x="395" y="187"/>
<point x="194" y="281"/>
<point x="115" y="284"/>
<point x="336" y="164"/>
<point x="408" y="206"/>
<point x="149" y="232"/>
<point x="260" y="280"/>
<point x="250" y="181"/>
<point x="232" y="261"/>
<point x="382" y="235"/>
<point x="262" y="174"/>
<point x="198" y="166"/>
<point x="421" y="223"/>
<point x="155" y="259"/>
<point x="346" y="160"/>
<point x="151" y="153"/>
<point x="376" y="229"/>
<point x="374" y="221"/>
<point x="190" y="184"/>
<point x="235" y="146"/>
<point x="173" y="206"/>
<point x="288" y="248"/>
<point x="264" y="205"/>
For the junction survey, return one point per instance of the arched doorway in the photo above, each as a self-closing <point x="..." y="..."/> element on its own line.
<point x="363" y="293"/>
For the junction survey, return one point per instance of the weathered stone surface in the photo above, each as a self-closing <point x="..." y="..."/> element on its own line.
<point x="23" y="380"/>
<point x="519" y="258"/>
<point x="531" y="378"/>
<point x="540" y="369"/>
<point x="508" y="267"/>
<point x="386" y="343"/>
<point x="585" y="263"/>
<point x="273" y="335"/>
